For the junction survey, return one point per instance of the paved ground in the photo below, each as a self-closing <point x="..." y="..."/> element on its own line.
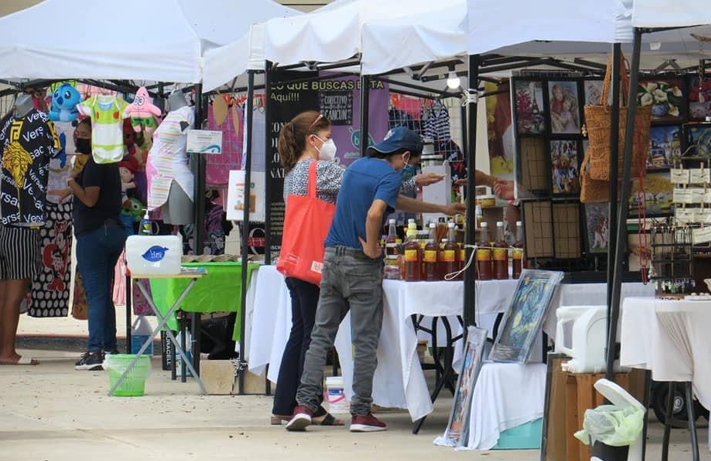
<point x="54" y="413"/>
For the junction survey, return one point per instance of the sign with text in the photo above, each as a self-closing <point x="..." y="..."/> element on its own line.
<point x="204" y="142"/>
<point x="236" y="200"/>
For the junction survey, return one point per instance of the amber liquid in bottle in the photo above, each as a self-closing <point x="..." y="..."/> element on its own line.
<point x="450" y="253"/>
<point x="483" y="255"/>
<point x="517" y="253"/>
<point x="431" y="256"/>
<point x="413" y="262"/>
<point x="501" y="254"/>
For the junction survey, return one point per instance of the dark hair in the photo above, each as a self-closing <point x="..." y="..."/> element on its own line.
<point x="292" y="137"/>
<point x="85" y="121"/>
<point x="376" y="154"/>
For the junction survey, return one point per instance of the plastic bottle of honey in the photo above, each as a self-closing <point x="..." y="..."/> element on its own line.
<point x="501" y="254"/>
<point x="484" y="265"/>
<point x="431" y="256"/>
<point x="517" y="253"/>
<point x="413" y="262"/>
<point x="450" y="253"/>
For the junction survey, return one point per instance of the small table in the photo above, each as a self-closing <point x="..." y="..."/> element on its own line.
<point x="670" y="338"/>
<point x="192" y="276"/>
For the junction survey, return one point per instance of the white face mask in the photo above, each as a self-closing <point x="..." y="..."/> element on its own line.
<point x="327" y="151"/>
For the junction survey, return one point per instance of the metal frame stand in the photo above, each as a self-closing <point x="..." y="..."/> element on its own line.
<point x="669" y="420"/>
<point x="163" y="320"/>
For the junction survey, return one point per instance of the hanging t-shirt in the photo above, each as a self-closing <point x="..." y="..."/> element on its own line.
<point x="26" y="146"/>
<point x="107" y="113"/>
<point x="168" y="160"/>
<point x="218" y="168"/>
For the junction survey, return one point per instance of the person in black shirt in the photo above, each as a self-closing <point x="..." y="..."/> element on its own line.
<point x="100" y="241"/>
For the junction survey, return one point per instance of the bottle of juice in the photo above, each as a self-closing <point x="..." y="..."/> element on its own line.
<point x="413" y="262"/>
<point x="431" y="258"/>
<point x="517" y="254"/>
<point x="450" y="256"/>
<point x="501" y="254"/>
<point x="484" y="266"/>
<point x="391" y="243"/>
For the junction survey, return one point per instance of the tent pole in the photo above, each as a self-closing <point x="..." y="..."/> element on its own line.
<point x="470" y="236"/>
<point x="624" y="199"/>
<point x="199" y="165"/>
<point x="268" y="162"/>
<point x="364" y="113"/>
<point x="614" y="155"/>
<point x="247" y="166"/>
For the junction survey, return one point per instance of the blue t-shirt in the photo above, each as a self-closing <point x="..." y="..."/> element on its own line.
<point x="365" y="180"/>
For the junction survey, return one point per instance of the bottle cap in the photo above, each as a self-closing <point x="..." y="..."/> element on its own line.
<point x="433" y="225"/>
<point x="410" y="221"/>
<point x="450" y="225"/>
<point x="391" y="221"/>
<point x="499" y="224"/>
<point x="519" y="223"/>
<point x="444" y="240"/>
<point x="484" y="224"/>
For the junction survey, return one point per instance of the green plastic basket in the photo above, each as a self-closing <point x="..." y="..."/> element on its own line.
<point x="134" y="385"/>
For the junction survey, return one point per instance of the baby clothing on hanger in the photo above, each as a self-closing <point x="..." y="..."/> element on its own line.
<point x="107" y="113"/>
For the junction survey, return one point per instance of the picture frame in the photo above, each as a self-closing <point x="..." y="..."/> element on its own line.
<point x="666" y="96"/>
<point x="698" y="137"/>
<point x="658" y="195"/>
<point x="664" y="146"/>
<point x="565" y="160"/>
<point x="699" y="110"/>
<point x="592" y="91"/>
<point x="597" y="225"/>
<point x="564" y="107"/>
<point x="529" y="102"/>
<point x="457" y="432"/>
<point x="525" y="316"/>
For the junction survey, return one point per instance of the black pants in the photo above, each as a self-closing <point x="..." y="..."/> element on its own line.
<point x="304" y="300"/>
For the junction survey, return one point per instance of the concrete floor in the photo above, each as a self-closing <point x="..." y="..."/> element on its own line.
<point x="54" y="413"/>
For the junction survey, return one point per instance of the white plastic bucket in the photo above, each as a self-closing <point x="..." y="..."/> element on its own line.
<point x="336" y="396"/>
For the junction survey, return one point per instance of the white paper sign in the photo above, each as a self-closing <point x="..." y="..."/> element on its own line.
<point x="699" y="176"/>
<point x="679" y="176"/>
<point x="702" y="235"/>
<point x="703" y="216"/>
<point x="204" y="142"/>
<point x="683" y="196"/>
<point x="236" y="200"/>
<point x="686" y="215"/>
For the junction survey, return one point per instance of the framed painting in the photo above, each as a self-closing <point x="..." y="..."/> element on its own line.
<point x="664" y="146"/>
<point x="457" y="431"/>
<point x="658" y="196"/>
<point x="524" y="319"/>
<point x="593" y="91"/>
<point x="564" y="107"/>
<point x="699" y="138"/>
<point x="667" y="98"/>
<point x="597" y="224"/>
<point x="699" y="98"/>
<point x="529" y="103"/>
<point x="565" y="167"/>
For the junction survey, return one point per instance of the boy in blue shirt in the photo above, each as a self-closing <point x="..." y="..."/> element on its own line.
<point x="352" y="273"/>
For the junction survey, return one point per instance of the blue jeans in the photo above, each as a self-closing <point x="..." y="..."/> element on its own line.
<point x="98" y="252"/>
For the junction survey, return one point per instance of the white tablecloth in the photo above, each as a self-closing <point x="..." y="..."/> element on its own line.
<point x="506" y="395"/>
<point x="399" y="381"/>
<point x="670" y="338"/>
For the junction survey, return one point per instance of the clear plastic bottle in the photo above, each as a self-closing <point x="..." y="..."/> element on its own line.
<point x="413" y="261"/>
<point x="391" y="242"/>
<point x="517" y="253"/>
<point x="501" y="254"/>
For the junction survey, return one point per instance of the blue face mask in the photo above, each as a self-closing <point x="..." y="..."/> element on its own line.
<point x="408" y="172"/>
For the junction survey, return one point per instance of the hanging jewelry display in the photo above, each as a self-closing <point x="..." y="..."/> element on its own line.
<point x="672" y="269"/>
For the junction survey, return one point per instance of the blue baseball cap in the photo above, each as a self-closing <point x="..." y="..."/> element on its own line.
<point x="400" y="138"/>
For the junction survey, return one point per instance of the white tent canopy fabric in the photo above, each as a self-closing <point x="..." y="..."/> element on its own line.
<point x="664" y="13"/>
<point x="158" y="44"/>
<point x="223" y="64"/>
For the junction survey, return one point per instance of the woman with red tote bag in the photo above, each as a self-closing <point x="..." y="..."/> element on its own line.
<point x="311" y="187"/>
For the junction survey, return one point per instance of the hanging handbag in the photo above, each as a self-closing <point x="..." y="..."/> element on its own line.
<point x="598" y="120"/>
<point x="592" y="190"/>
<point x="306" y="226"/>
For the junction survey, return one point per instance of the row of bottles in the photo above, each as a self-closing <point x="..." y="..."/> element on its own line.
<point x="492" y="258"/>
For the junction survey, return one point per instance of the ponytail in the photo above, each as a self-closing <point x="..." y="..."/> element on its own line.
<point x="292" y="137"/>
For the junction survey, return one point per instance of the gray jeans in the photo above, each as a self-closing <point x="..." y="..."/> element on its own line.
<point x="350" y="280"/>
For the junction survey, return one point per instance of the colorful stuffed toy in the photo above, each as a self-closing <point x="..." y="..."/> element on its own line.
<point x="142" y="112"/>
<point x="64" y="104"/>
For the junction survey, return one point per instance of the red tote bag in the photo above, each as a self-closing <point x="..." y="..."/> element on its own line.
<point x="306" y="226"/>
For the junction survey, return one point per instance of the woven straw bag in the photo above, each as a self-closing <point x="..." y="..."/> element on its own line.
<point x="598" y="119"/>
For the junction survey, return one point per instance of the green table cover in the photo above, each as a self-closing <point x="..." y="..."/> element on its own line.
<point x="218" y="291"/>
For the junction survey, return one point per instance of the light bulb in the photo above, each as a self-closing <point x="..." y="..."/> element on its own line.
<point x="453" y="81"/>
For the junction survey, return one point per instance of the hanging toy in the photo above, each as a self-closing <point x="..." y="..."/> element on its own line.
<point x="64" y="104"/>
<point x="143" y="112"/>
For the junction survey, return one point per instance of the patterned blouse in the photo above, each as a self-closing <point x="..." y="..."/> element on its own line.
<point x="329" y="177"/>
